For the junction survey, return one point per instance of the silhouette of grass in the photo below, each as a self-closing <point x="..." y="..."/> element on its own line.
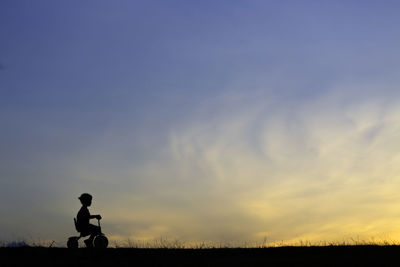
<point x="173" y="252"/>
<point x="331" y="255"/>
<point x="165" y="243"/>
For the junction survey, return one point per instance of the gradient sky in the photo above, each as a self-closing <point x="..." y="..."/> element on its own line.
<point x="215" y="121"/>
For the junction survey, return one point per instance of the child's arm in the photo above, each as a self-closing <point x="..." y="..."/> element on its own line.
<point x="98" y="217"/>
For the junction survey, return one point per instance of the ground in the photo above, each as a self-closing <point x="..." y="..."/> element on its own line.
<point x="365" y="255"/>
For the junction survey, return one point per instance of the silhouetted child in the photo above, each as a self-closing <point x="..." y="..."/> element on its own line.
<point x="83" y="218"/>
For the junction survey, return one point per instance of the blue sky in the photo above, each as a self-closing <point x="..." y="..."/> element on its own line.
<point x="200" y="120"/>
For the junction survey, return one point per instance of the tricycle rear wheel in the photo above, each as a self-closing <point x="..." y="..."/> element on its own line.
<point x="72" y="242"/>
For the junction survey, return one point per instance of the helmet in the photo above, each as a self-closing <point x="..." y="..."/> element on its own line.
<point x="85" y="196"/>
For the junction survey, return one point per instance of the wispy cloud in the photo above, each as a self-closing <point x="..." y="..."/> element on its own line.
<point x="320" y="169"/>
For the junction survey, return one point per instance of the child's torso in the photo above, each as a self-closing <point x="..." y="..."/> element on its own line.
<point x="83" y="216"/>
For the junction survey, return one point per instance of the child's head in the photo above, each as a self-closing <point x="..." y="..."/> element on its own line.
<point x="86" y="199"/>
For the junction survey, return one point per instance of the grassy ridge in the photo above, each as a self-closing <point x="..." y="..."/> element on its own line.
<point x="365" y="255"/>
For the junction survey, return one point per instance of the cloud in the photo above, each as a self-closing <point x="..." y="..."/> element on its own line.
<point x="323" y="169"/>
<point x="239" y="167"/>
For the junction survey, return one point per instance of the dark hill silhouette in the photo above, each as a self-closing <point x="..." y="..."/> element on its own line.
<point x="364" y="255"/>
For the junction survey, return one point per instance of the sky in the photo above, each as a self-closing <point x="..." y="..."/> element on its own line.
<point x="202" y="121"/>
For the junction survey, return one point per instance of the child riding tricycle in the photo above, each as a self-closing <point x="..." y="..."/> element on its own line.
<point x="97" y="239"/>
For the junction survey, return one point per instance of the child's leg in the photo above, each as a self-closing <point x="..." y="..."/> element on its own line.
<point x="94" y="231"/>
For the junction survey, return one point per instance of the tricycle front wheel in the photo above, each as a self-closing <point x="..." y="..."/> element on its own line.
<point x="100" y="241"/>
